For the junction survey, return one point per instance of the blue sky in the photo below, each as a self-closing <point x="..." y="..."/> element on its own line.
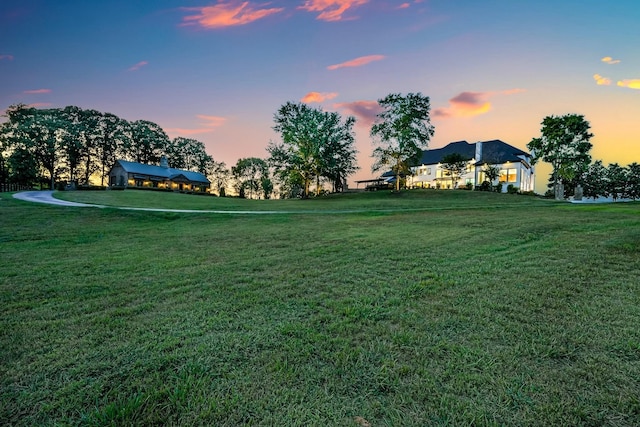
<point x="217" y="71"/>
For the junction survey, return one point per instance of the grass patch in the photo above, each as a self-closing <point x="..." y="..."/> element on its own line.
<point x="432" y="308"/>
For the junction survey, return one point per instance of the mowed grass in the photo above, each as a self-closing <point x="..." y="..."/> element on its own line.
<point x="471" y="310"/>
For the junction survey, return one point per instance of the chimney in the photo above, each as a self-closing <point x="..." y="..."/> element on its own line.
<point x="163" y="162"/>
<point x="478" y="151"/>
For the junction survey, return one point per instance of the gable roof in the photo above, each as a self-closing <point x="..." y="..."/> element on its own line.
<point x="496" y="151"/>
<point x="159" y="171"/>
<point x="493" y="152"/>
<point x="431" y="157"/>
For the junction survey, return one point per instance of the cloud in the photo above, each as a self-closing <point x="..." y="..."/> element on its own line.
<point x="630" y="83"/>
<point x="39" y="104"/>
<point x="331" y="10"/>
<point x="357" y="62"/>
<point x="208" y="124"/>
<point x="610" y="60"/>
<point x="227" y="14"/>
<point x="6" y="57"/>
<point x="212" y="121"/>
<point x="318" y="97"/>
<point x="36" y="91"/>
<point x="468" y="104"/>
<point x="364" y="111"/>
<point x="602" y="81"/>
<point x="404" y="6"/>
<point x="137" y="66"/>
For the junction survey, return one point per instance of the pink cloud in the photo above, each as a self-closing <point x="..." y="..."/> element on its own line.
<point x="318" y="97"/>
<point x="6" y="57"/>
<point x="404" y="6"/>
<point x="610" y="60"/>
<point x="465" y="104"/>
<point x="468" y="104"/>
<point x="365" y="111"/>
<point x="357" y="62"/>
<point x="212" y="121"/>
<point x="40" y="104"/>
<point x="227" y="14"/>
<point x="208" y="124"/>
<point x="602" y="81"/>
<point x="630" y="83"/>
<point x="331" y="10"/>
<point x="36" y="91"/>
<point x="137" y="66"/>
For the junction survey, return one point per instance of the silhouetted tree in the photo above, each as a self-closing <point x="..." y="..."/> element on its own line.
<point x="401" y="132"/>
<point x="565" y="144"/>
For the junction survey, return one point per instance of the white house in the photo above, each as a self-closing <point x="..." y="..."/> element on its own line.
<point x="514" y="164"/>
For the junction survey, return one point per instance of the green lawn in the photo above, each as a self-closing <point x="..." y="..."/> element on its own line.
<point x="425" y="308"/>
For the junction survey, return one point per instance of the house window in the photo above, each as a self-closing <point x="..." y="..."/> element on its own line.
<point x="428" y="171"/>
<point x="508" y="175"/>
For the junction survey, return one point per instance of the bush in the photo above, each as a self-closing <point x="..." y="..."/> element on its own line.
<point x="512" y="189"/>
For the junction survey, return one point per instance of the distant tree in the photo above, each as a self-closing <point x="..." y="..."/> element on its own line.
<point x="266" y="185"/>
<point x="72" y="139"/>
<point x="454" y="165"/>
<point x="115" y="135"/>
<point x="401" y="131"/>
<point x="616" y="182"/>
<point x="594" y="180"/>
<point x="219" y="176"/>
<point x="565" y="144"/>
<point x="248" y="174"/>
<point x="315" y="145"/>
<point x="188" y="154"/>
<point x="633" y="181"/>
<point x="148" y="142"/>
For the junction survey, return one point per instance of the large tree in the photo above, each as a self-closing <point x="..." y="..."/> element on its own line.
<point x="188" y="154"/>
<point x="115" y="135"/>
<point x="315" y="145"/>
<point x="402" y="130"/>
<point x="565" y="144"/>
<point x="148" y="142"/>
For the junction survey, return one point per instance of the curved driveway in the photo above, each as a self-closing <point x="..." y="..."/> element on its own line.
<point x="47" y="197"/>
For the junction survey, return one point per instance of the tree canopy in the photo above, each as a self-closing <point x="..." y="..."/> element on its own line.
<point x="565" y="144"/>
<point x="315" y="145"/>
<point x="402" y="130"/>
<point x="74" y="144"/>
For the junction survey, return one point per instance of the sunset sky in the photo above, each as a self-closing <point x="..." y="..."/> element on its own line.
<point x="217" y="71"/>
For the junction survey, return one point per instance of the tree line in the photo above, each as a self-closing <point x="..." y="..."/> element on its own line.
<point x="565" y="143"/>
<point x="74" y="144"/>
<point x="317" y="148"/>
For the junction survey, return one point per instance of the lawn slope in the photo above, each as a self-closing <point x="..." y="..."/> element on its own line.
<point x="472" y="309"/>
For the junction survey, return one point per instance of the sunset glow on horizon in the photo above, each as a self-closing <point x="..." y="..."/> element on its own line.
<point x="217" y="71"/>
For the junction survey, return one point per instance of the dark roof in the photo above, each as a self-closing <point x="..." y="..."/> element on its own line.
<point x="431" y="157"/>
<point x="494" y="151"/>
<point x="159" y="171"/>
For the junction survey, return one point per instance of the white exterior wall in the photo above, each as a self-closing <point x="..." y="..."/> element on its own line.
<point x="428" y="176"/>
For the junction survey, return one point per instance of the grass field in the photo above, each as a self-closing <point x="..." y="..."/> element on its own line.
<point x="424" y="308"/>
